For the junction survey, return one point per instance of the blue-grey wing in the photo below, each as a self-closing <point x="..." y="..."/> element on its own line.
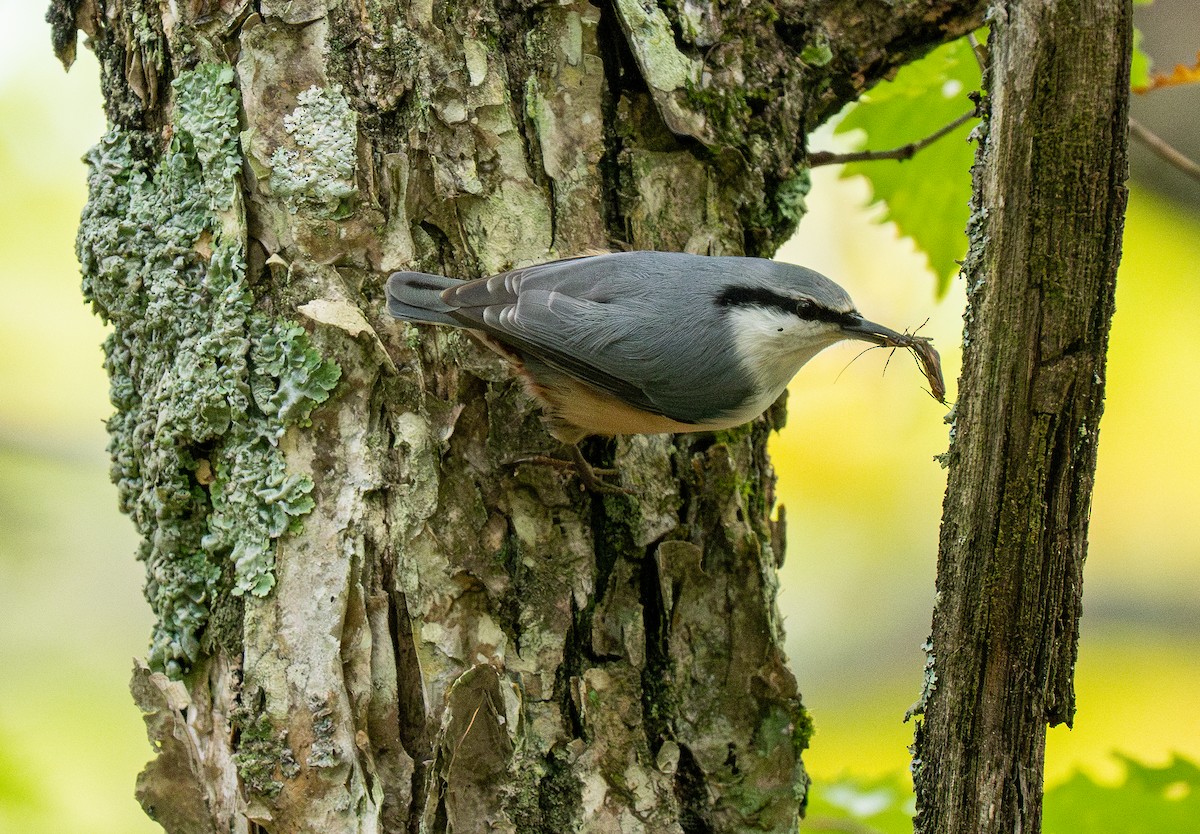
<point x="619" y="323"/>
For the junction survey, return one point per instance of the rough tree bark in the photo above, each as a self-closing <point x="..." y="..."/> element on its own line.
<point x="369" y="617"/>
<point x="1041" y="275"/>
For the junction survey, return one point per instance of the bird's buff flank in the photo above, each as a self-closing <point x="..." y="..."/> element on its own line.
<point x="651" y="342"/>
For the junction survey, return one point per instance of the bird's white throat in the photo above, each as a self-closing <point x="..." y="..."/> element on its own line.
<point x="773" y="345"/>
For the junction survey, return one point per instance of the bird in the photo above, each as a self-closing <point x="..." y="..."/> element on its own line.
<point x="646" y="342"/>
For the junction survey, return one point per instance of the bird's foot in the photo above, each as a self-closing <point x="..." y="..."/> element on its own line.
<point x="589" y="476"/>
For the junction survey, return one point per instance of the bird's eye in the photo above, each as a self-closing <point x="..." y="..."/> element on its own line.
<point x="779" y="329"/>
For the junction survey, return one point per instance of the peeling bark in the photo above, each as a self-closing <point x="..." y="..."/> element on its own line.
<point x="447" y="639"/>
<point x="1041" y="276"/>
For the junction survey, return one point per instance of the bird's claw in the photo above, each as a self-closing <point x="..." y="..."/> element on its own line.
<point x="589" y="476"/>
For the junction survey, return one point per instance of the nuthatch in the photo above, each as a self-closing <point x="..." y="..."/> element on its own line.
<point x="650" y="342"/>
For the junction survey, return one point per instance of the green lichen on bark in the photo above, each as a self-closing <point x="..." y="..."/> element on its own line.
<point x="318" y="172"/>
<point x="547" y="796"/>
<point x="203" y="385"/>
<point x="263" y="758"/>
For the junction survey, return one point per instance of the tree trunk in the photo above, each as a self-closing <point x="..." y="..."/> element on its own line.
<point x="1041" y="275"/>
<point x="371" y="615"/>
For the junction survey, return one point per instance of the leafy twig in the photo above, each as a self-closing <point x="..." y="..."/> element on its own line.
<point x="1164" y="150"/>
<point x="1178" y="76"/>
<point x="901" y="153"/>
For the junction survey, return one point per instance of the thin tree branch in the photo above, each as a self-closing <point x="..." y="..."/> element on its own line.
<point x="979" y="50"/>
<point x="902" y="153"/>
<point x="1164" y="150"/>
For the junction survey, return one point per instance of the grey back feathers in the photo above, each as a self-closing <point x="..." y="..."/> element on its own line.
<point x="652" y="328"/>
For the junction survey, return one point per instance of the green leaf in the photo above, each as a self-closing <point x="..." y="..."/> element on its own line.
<point x="1139" y="71"/>
<point x="878" y="806"/>
<point x="1152" y="800"/>
<point x="926" y="196"/>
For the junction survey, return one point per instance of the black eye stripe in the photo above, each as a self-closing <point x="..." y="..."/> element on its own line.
<point x="801" y="307"/>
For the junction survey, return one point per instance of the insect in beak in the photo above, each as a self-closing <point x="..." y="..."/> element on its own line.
<point x="921" y="347"/>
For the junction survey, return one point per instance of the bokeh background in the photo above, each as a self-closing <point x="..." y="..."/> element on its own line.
<point x="857" y="475"/>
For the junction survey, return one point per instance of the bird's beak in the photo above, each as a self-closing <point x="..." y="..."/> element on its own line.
<point x="869" y="331"/>
<point x="921" y="346"/>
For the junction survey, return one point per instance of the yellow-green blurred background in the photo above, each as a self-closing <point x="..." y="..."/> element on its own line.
<point x="856" y="473"/>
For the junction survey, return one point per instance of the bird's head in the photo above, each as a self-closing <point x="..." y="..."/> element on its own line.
<point x="780" y="316"/>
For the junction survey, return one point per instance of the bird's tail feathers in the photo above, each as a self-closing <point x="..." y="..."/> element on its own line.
<point x="417" y="296"/>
